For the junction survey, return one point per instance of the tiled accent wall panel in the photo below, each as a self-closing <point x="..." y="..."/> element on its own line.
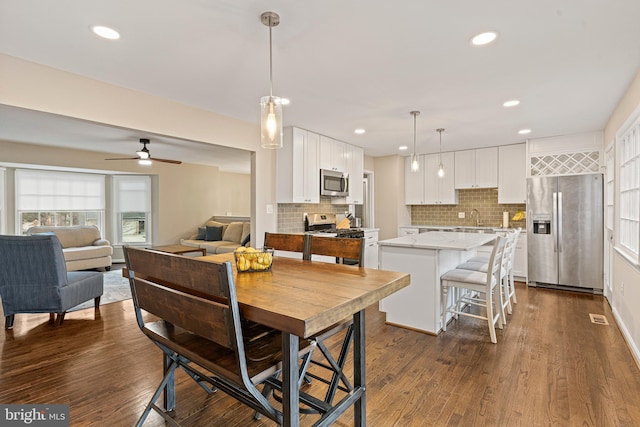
<point x="291" y="215"/>
<point x="484" y="200"/>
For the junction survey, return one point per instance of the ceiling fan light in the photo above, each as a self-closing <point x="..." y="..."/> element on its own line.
<point x="145" y="162"/>
<point x="143" y="154"/>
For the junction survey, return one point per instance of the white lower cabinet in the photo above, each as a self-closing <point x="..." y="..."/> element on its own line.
<point x="371" y="249"/>
<point x="520" y="260"/>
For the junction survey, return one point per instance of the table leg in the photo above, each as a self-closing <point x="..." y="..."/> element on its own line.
<point x="359" y="369"/>
<point x="290" y="376"/>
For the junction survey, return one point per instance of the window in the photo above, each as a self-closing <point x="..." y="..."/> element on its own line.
<point x="58" y="199"/>
<point x="132" y="204"/>
<point x="629" y="191"/>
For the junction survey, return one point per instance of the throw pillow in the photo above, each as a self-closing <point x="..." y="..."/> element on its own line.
<point x="202" y="232"/>
<point x="213" y="234"/>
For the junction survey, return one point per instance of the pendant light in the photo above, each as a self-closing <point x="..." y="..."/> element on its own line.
<point x="440" y="167"/>
<point x="270" y="106"/>
<point x="415" y="166"/>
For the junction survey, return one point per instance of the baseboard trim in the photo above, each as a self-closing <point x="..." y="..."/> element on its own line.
<point x="627" y="337"/>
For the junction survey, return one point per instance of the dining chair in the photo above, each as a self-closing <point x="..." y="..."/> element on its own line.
<point x="342" y="248"/>
<point x="198" y="327"/>
<point x="471" y="287"/>
<point x="286" y="242"/>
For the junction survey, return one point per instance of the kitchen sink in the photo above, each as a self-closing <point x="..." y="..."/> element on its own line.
<point x="486" y="230"/>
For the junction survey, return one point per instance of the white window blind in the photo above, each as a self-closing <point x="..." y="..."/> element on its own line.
<point x="132" y="193"/>
<point x="629" y="188"/>
<point x="38" y="190"/>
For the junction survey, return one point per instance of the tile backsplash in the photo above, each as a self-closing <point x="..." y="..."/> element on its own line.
<point x="485" y="200"/>
<point x="291" y="215"/>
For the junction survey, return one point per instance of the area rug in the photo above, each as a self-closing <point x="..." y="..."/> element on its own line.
<point x="116" y="288"/>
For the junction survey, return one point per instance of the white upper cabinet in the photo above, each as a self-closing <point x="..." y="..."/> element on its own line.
<point x="355" y="168"/>
<point x="437" y="190"/>
<point x="425" y="187"/>
<point x="332" y="154"/>
<point x="512" y="174"/>
<point x="297" y="169"/>
<point x="414" y="183"/>
<point x="476" y="168"/>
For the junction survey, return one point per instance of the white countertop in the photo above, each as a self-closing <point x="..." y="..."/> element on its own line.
<point x="441" y="240"/>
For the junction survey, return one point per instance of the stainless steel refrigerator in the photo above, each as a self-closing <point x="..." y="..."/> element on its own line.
<point x="565" y="232"/>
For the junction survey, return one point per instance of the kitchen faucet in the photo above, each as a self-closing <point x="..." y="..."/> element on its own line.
<point x="477" y="216"/>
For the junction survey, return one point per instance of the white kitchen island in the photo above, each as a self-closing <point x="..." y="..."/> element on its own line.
<point x="426" y="257"/>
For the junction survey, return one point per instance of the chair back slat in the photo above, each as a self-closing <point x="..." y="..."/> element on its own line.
<point x="495" y="261"/>
<point x="206" y="280"/>
<point x="285" y="242"/>
<point x="339" y="247"/>
<point x="192" y="313"/>
<point x="188" y="293"/>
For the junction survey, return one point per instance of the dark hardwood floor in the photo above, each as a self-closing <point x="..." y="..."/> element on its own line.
<point x="551" y="366"/>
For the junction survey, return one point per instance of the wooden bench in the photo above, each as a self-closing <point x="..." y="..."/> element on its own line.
<point x="200" y="329"/>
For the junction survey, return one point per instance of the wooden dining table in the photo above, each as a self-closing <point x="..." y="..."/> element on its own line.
<point x="301" y="298"/>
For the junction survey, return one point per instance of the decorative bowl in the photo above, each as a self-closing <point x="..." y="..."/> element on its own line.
<point x="250" y="260"/>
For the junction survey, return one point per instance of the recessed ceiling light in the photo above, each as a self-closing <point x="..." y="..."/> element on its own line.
<point x="524" y="131"/>
<point x="484" y="38"/>
<point x="403" y="147"/>
<point x="511" y="103"/>
<point x="359" y="131"/>
<point x="285" y="101"/>
<point x="105" y="32"/>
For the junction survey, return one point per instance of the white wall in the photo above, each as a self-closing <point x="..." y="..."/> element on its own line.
<point x="390" y="210"/>
<point x="234" y="194"/>
<point x="625" y="306"/>
<point x="33" y="86"/>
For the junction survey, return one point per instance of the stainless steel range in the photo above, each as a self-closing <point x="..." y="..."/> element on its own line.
<point x="326" y="223"/>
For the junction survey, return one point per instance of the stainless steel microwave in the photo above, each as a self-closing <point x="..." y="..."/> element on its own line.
<point x="333" y="183"/>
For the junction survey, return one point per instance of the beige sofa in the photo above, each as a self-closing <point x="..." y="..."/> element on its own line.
<point x="232" y="235"/>
<point x="82" y="246"/>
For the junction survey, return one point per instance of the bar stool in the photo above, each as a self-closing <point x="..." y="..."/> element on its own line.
<point x="479" y="263"/>
<point x="469" y="286"/>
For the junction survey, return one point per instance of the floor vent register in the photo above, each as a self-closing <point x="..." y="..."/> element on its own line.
<point x="599" y="319"/>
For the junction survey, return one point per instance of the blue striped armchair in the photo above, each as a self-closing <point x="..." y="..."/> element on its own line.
<point x="34" y="279"/>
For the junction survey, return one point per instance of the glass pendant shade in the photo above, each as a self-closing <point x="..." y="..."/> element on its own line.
<point x="440" y="166"/>
<point x="270" y="122"/>
<point x="415" y="166"/>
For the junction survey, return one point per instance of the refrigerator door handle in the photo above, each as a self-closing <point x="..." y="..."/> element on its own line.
<point x="559" y="218"/>
<point x="555" y="220"/>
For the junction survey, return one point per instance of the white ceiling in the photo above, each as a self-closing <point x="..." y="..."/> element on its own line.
<point x="349" y="64"/>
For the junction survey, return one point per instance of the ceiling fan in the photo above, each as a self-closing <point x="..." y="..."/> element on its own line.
<point x="144" y="156"/>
